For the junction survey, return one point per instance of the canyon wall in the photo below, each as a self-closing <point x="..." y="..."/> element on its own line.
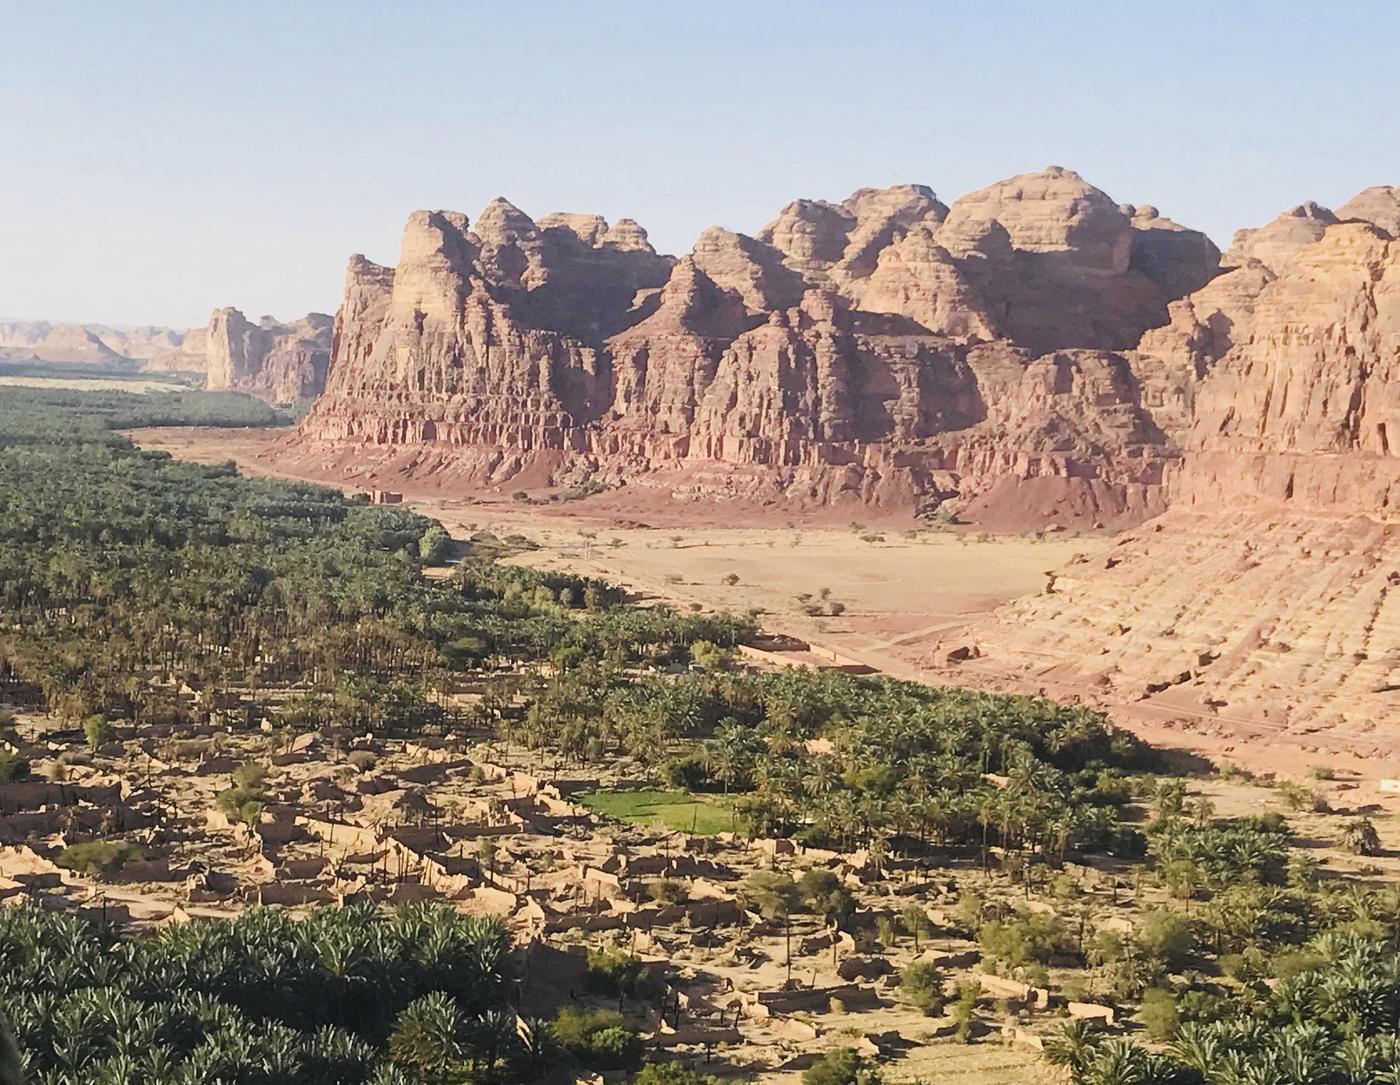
<point x="1267" y="600"/>
<point x="888" y="350"/>
<point x="282" y="363"/>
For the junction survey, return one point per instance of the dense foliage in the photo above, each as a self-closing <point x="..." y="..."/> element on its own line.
<point x="1335" y="1021"/>
<point x="943" y="766"/>
<point x="264" y="999"/>
<point x="126" y="576"/>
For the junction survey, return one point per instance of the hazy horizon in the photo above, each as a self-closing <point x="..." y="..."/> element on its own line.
<point x="169" y="160"/>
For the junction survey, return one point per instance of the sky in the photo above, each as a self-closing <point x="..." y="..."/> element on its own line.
<point x="158" y="160"/>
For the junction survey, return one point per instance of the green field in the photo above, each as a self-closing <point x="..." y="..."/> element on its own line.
<point x="678" y="810"/>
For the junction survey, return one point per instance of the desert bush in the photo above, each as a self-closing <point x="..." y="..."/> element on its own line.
<point x="97" y="857"/>
<point x="770" y="893"/>
<point x="843" y="1066"/>
<point x="824" y="894"/>
<point x="12" y="767"/>
<point x="598" y="1039"/>
<point x="1158" y="1013"/>
<point x="612" y="972"/>
<point x="362" y="760"/>
<point x="97" y="731"/>
<point x="922" y="984"/>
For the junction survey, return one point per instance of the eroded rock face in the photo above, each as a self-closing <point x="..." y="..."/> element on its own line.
<point x="883" y="349"/>
<point x="282" y="363"/>
<point x="1265" y="601"/>
<point x="1379" y="205"/>
<point x="1274" y="243"/>
<point x="1306" y="410"/>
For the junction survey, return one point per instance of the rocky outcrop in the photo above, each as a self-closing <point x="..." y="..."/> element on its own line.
<point x="1275" y="243"/>
<point x="1305" y="409"/>
<point x="282" y="363"/>
<point x="884" y="349"/>
<point x="1379" y="205"/>
<point x="1264" y="603"/>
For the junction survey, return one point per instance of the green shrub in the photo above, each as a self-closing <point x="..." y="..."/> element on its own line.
<point x="672" y="1073"/>
<point x="922" y="984"/>
<point x="842" y="1066"/>
<point x="710" y="656"/>
<point x="965" y="1009"/>
<point x="435" y="545"/>
<point x="97" y="731"/>
<point x="688" y="771"/>
<point x="97" y="857"/>
<point x="12" y="767"/>
<point x="245" y="799"/>
<point x="1022" y="940"/>
<point x="824" y="894"/>
<point x="612" y="972"/>
<point x="598" y="1038"/>
<point x="771" y="894"/>
<point x="1168" y="936"/>
<point x="1158" y="1013"/>
<point x="667" y="891"/>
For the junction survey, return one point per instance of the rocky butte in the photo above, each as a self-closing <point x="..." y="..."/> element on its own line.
<point x="282" y="363"/>
<point x="888" y="351"/>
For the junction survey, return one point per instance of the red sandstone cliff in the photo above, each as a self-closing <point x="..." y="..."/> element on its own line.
<point x="282" y="363"/>
<point x="1267" y="600"/>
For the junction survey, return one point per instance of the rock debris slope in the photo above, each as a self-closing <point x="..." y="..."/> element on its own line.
<point x="887" y="351"/>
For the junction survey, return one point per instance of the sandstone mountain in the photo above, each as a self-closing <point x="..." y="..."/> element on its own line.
<point x="888" y="350"/>
<point x="1267" y="600"/>
<point x="40" y="341"/>
<point x="98" y="344"/>
<point x="1033" y="353"/>
<point x="282" y="363"/>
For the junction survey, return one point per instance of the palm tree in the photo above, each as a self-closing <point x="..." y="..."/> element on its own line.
<point x="1072" y="1045"/>
<point x="1198" y="1046"/>
<point x="1359" y="837"/>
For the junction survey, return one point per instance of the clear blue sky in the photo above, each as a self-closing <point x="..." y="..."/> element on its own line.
<point x="161" y="159"/>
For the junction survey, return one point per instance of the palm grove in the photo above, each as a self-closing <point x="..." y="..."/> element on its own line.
<point x="137" y="589"/>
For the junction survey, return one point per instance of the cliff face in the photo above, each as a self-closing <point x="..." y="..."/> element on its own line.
<point x="278" y="362"/>
<point x="1283" y="509"/>
<point x="888" y="349"/>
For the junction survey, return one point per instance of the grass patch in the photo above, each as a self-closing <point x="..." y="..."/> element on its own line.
<point x="677" y="810"/>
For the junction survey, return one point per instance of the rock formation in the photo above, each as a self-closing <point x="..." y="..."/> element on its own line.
<point x="279" y="362"/>
<point x="88" y="344"/>
<point x="1267" y="600"/>
<point x="282" y="363"/>
<point x="886" y="350"/>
